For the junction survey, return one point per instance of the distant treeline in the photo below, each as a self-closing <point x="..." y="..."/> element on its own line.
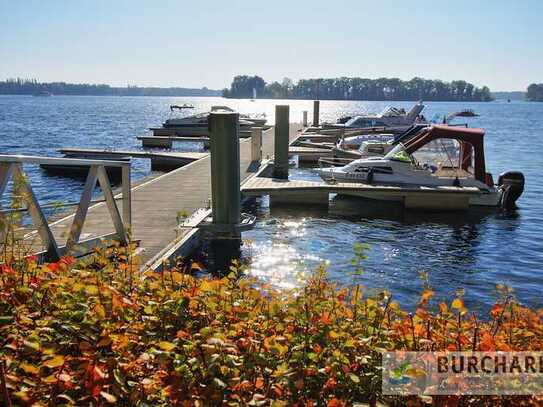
<point x="358" y="89"/>
<point x="534" y="92"/>
<point x="32" y="86"/>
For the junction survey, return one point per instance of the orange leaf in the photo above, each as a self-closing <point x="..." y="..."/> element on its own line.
<point x="259" y="384"/>
<point x="334" y="403"/>
<point x="426" y="295"/>
<point x="496" y="310"/>
<point x="277" y="390"/>
<point x="98" y="373"/>
<point x="325" y="318"/>
<point x="487" y="342"/>
<point x="100" y="311"/>
<point x="457" y="304"/>
<point x="28" y="368"/>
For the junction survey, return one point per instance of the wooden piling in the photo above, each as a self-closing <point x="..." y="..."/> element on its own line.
<point x="316" y="112"/>
<point x="304" y="118"/>
<point x="281" y="141"/>
<point x="256" y="144"/>
<point x="225" y="184"/>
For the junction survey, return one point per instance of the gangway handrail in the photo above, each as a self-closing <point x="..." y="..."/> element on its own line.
<point x="33" y="159"/>
<point x="11" y="166"/>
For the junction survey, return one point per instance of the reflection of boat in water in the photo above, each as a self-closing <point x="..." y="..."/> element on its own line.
<point x="459" y="173"/>
<point x="355" y="208"/>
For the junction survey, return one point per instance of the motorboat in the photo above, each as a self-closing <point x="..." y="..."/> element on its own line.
<point x="376" y="144"/>
<point x="42" y="93"/>
<point x="392" y="118"/>
<point x="438" y="165"/>
<point x="193" y="125"/>
<point x="181" y="107"/>
<point x="259" y="120"/>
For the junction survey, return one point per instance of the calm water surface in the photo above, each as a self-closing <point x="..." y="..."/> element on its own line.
<point x="472" y="251"/>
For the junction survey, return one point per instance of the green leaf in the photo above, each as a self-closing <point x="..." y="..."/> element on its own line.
<point x="6" y="319"/>
<point x="166" y="346"/>
<point x="55" y="361"/>
<point x="119" y="378"/>
<point x="354" y="378"/>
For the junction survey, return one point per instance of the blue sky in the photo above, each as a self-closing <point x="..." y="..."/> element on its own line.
<point x="205" y="43"/>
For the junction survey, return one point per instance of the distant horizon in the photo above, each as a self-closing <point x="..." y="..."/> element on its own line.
<point x="210" y="88"/>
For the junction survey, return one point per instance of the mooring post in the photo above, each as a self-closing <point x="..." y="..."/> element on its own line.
<point x="280" y="169"/>
<point x="304" y="118"/>
<point x="256" y="144"/>
<point x="225" y="188"/>
<point x="316" y="109"/>
<point x="225" y="192"/>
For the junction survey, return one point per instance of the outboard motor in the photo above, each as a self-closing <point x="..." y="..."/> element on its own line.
<point x="512" y="185"/>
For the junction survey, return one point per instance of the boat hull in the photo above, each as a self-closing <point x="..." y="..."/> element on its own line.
<point x="439" y="197"/>
<point x="432" y="200"/>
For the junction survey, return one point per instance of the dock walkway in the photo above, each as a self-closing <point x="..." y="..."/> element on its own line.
<point x="157" y="202"/>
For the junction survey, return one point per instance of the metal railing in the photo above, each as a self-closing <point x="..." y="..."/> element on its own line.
<point x="11" y="167"/>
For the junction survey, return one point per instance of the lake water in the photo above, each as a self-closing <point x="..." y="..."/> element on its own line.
<point x="472" y="251"/>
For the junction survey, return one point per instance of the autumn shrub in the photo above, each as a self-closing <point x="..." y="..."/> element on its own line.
<point x="102" y="332"/>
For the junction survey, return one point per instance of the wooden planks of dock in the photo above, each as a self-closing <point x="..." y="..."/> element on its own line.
<point x="157" y="202"/>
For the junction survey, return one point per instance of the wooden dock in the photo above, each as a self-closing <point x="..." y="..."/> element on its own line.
<point x="194" y="132"/>
<point x="157" y="203"/>
<point x="310" y="154"/>
<point x="317" y="192"/>
<point x="167" y="141"/>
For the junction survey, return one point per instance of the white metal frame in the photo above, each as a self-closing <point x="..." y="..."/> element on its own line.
<point x="12" y="166"/>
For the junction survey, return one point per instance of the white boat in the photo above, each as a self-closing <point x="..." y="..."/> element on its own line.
<point x="258" y="120"/>
<point x="197" y="123"/>
<point x="440" y="159"/>
<point x="376" y="144"/>
<point x="390" y="118"/>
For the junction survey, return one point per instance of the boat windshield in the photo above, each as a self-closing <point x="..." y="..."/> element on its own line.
<point x="353" y="121"/>
<point x="219" y="108"/>
<point x="390" y="111"/>
<point x="398" y="153"/>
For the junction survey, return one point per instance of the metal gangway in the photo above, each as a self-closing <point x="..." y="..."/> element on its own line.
<point x="12" y="168"/>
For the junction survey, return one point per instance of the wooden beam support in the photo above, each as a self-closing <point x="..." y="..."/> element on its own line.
<point x="127" y="198"/>
<point x="103" y="180"/>
<point x="82" y="209"/>
<point x="36" y="213"/>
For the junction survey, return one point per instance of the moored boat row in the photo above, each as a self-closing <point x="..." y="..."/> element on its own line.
<point x="410" y="152"/>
